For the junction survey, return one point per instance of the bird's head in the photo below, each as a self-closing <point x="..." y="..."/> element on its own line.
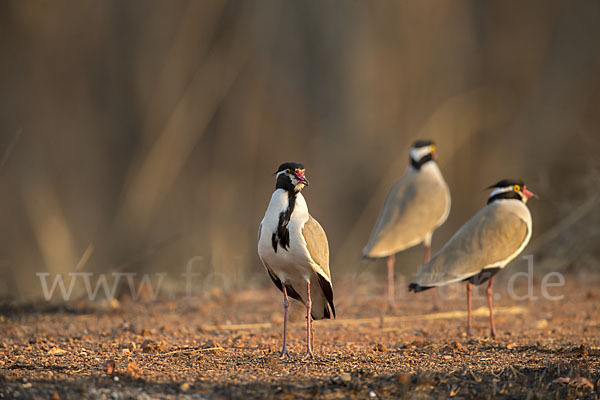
<point x="510" y="189"/>
<point x="421" y="152"/>
<point x="290" y="177"/>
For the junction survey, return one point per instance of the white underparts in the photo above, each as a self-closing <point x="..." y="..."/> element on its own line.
<point x="296" y="261"/>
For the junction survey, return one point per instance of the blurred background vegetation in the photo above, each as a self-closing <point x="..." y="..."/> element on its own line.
<point x="138" y="134"/>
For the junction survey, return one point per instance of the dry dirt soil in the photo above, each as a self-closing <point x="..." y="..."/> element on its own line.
<point x="226" y="346"/>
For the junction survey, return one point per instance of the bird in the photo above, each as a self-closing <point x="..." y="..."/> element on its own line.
<point x="414" y="208"/>
<point x="293" y="248"/>
<point x="484" y="245"/>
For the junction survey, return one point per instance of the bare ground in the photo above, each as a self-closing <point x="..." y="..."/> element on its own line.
<point x="226" y="346"/>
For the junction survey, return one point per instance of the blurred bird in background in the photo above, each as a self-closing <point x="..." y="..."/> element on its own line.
<point x="483" y="245"/>
<point x="415" y="207"/>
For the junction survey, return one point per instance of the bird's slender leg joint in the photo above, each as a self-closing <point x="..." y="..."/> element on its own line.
<point x="427" y="254"/>
<point x="427" y="245"/>
<point x="286" y="305"/>
<point x="390" y="272"/>
<point x="309" y="353"/>
<point x="469" y="290"/>
<point x="489" y="299"/>
<point x="312" y="336"/>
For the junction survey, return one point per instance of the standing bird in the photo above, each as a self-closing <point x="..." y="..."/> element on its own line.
<point x="415" y="207"/>
<point x="293" y="248"/>
<point x="483" y="245"/>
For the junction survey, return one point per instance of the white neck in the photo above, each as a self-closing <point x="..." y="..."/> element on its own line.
<point x="429" y="167"/>
<point x="278" y="204"/>
<point x="280" y="201"/>
<point x="418" y="153"/>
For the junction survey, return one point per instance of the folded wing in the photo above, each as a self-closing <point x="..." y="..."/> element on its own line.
<point x="490" y="239"/>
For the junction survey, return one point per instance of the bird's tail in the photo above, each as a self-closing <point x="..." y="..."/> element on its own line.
<point x="322" y="298"/>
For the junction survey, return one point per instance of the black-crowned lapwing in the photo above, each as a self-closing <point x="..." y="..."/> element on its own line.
<point x="483" y="245"/>
<point x="293" y="248"/>
<point x="415" y="207"/>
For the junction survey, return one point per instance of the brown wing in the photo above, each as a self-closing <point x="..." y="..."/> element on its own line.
<point x="414" y="207"/>
<point x="490" y="238"/>
<point x="318" y="248"/>
<point x="317" y="245"/>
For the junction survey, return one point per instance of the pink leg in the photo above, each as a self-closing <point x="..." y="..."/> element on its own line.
<point x="489" y="299"/>
<point x="312" y="336"/>
<point x="427" y="254"/>
<point x="390" y="270"/>
<point x="309" y="352"/>
<point x="286" y="305"/>
<point x="469" y="290"/>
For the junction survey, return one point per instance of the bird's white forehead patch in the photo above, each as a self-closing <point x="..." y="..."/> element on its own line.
<point x="501" y="190"/>
<point x="506" y="189"/>
<point x="418" y="153"/>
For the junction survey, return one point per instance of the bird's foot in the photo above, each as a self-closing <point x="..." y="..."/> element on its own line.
<point x="493" y="333"/>
<point x="469" y="331"/>
<point x="284" y="352"/>
<point x="309" y="355"/>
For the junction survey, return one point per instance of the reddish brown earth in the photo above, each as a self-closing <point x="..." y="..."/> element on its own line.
<point x="226" y="346"/>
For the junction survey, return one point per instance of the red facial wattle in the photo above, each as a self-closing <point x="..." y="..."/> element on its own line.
<point x="299" y="174"/>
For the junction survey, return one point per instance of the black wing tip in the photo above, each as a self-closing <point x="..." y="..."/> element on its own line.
<point x="367" y="258"/>
<point x="328" y="291"/>
<point x="326" y="313"/>
<point x="415" y="287"/>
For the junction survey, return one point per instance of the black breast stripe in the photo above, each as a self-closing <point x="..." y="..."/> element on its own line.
<point x="418" y="164"/>
<point x="282" y="235"/>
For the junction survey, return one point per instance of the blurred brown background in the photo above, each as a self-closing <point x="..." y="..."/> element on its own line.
<point x="136" y="135"/>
